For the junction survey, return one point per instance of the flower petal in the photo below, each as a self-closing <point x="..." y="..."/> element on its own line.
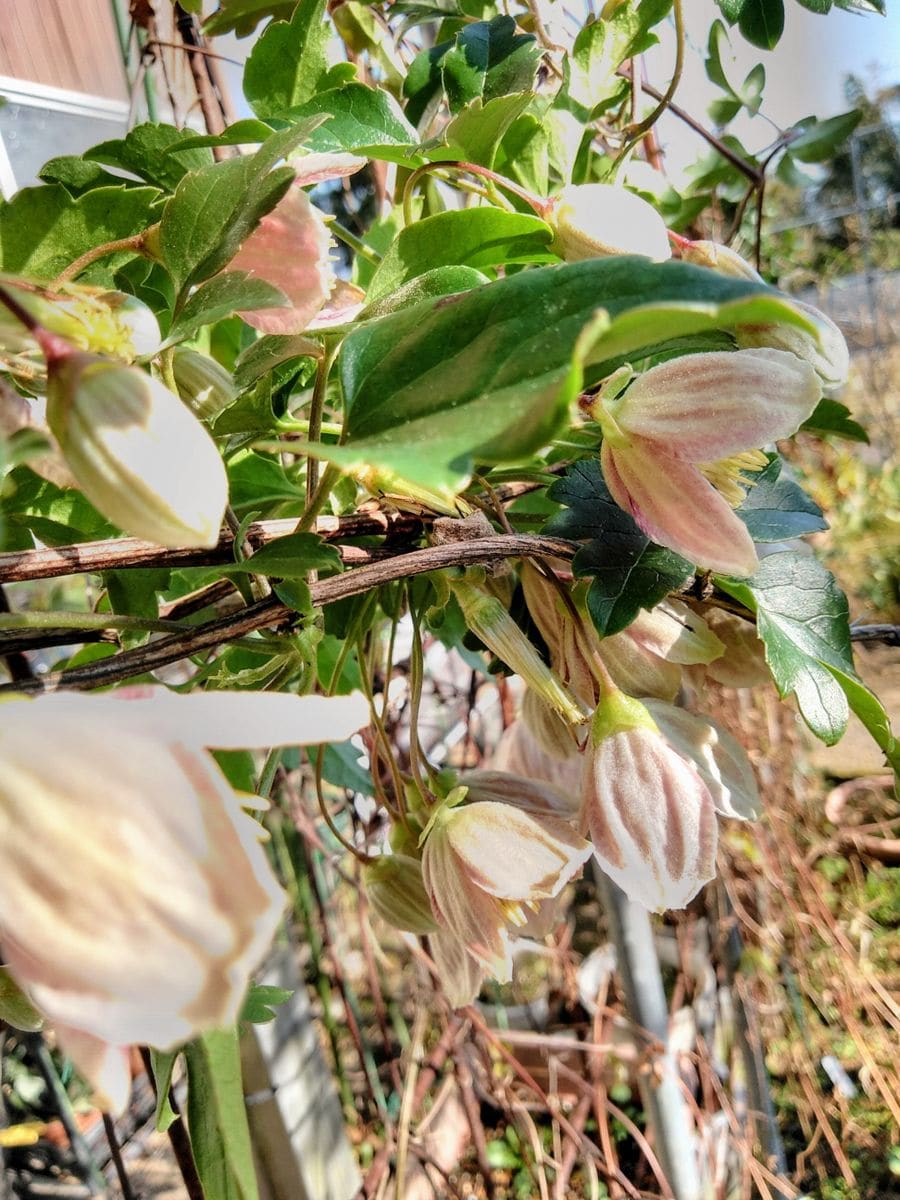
<point x="106" y="1068"/>
<point x="513" y="854"/>
<point x="135" y="897"/>
<point x="720" y="759"/>
<point x="323" y="165"/>
<point x="290" y="250"/>
<point x="650" y="817"/>
<point x="703" y="407"/>
<point x="223" y="720"/>
<point x="675" y="506"/>
<point x="460" y="975"/>
<point x="474" y="918"/>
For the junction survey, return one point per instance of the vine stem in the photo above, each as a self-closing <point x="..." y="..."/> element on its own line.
<point x="539" y="206"/>
<point x="271" y="612"/>
<point x="635" y="135"/>
<point x="135" y="242"/>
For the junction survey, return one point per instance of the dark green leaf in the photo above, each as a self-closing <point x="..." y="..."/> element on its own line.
<point x="144" y="151"/>
<point x="489" y="59"/>
<point x="628" y="572"/>
<point x="472" y="237"/>
<point x="43" y="229"/>
<point x="261" y="1002"/>
<point x="56" y="515"/>
<point x="802" y="618"/>
<point x="489" y="374"/>
<point x="291" y="557"/>
<point x="265" y="354"/>
<point x="243" y="16"/>
<point x="830" y="416"/>
<point x="256" y="482"/>
<point x="760" y="21"/>
<point x="777" y="509"/>
<point x="217" y="1118"/>
<point x="289" y="61"/>
<point x="361" y="120"/>
<point x="234" y="291"/>
<point x="133" y="592"/>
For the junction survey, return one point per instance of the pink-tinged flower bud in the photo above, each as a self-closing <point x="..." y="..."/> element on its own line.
<point x="647" y="810"/>
<point x="135" y="896"/>
<point x="489" y="620"/>
<point x="203" y="384"/>
<point x="595" y="220"/>
<point x="290" y="249"/>
<point x="720" y="760"/>
<point x="674" y="632"/>
<point x="481" y="862"/>
<point x="396" y="892"/>
<point x="136" y="451"/>
<point x="825" y="350"/>
<point x="719" y="258"/>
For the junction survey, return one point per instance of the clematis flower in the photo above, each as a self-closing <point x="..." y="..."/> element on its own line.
<point x="693" y="419"/>
<point x="135" y="897"/>
<point x="482" y="862"/>
<point x="647" y="809"/>
<point x="291" y="249"/>
<point x="596" y="220"/>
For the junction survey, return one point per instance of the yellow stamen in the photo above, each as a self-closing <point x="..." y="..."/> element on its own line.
<point x="728" y="475"/>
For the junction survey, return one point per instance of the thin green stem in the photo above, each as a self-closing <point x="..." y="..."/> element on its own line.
<point x="317" y="501"/>
<point x="634" y="135"/>
<point x="357" y="245"/>
<point x="535" y="202"/>
<point x="88" y="621"/>
<point x="316" y="409"/>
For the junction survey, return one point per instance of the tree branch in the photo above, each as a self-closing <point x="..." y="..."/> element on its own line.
<point x="271" y="613"/>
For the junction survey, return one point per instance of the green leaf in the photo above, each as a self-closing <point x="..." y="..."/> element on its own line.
<point x="267" y="353"/>
<point x="15" y="1007"/>
<point x="489" y="59"/>
<point x="291" y="557"/>
<point x="256" y="482"/>
<point x="245" y="132"/>
<point x="162" y="1063"/>
<point x="78" y="176"/>
<point x="217" y="1118"/>
<point x="489" y="374"/>
<point x="830" y="416"/>
<point x="261" y="1002"/>
<point x="819" y="140"/>
<point x="802" y="618"/>
<point x="475" y="133"/>
<point x="777" y="509"/>
<point x="342" y="767"/>
<point x="234" y="291"/>
<point x="243" y="16"/>
<point x="289" y="61"/>
<point x="56" y="515"/>
<point x="43" y="229"/>
<point x="212" y="213"/>
<point x="600" y="49"/>
<point x="440" y="281"/>
<point x="628" y="572"/>
<point x="760" y="21"/>
<point x="144" y="151"/>
<point x="472" y="237"/>
<point x="361" y="120"/>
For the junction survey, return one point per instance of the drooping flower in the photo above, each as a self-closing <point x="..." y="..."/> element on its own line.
<point x="135" y="450"/>
<point x="482" y="862"/>
<point x="648" y="812"/>
<point x="291" y="249"/>
<point x="693" y="418"/>
<point x="135" y="897"/>
<point x="596" y="220"/>
<point x="826" y="350"/>
<point x="396" y="892"/>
